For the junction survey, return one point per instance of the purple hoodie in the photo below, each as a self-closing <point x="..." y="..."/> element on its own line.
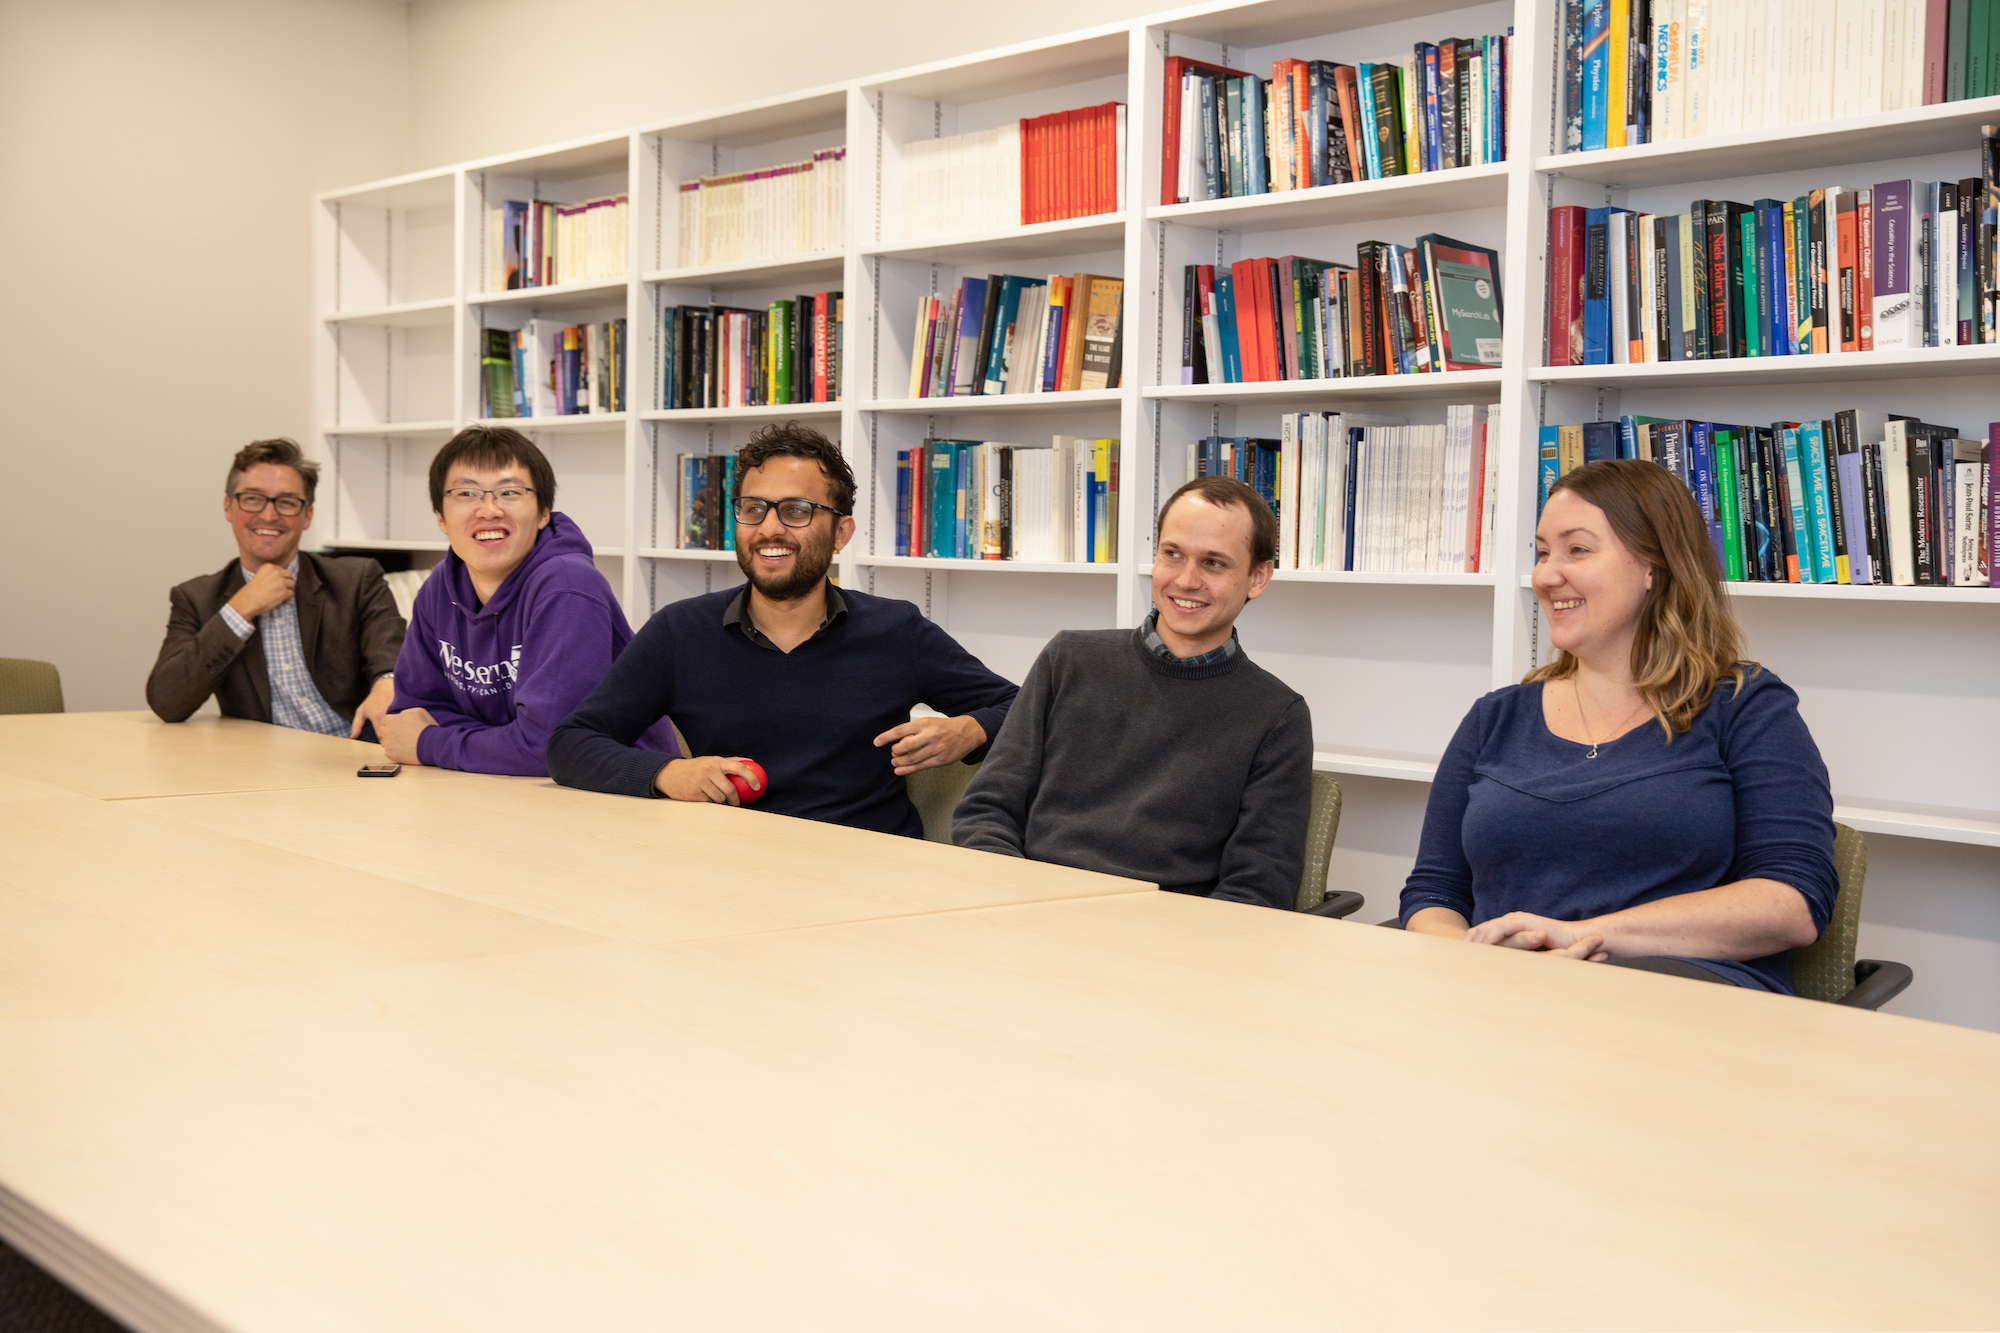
<point x="499" y="678"/>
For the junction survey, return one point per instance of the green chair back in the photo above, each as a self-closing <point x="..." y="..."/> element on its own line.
<point x="680" y="740"/>
<point x="935" y="793"/>
<point x="1825" y="970"/>
<point x="29" y="687"/>
<point x="1321" y="825"/>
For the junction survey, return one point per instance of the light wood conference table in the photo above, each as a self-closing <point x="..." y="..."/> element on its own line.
<point x="1132" y="1110"/>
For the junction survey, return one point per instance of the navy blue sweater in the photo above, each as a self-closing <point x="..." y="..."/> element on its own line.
<point x="809" y="716"/>
<point x="1520" y="821"/>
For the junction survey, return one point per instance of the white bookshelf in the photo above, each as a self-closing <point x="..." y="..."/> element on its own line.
<point x="1895" y="681"/>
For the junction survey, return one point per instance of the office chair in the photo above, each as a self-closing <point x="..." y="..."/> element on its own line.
<point x="935" y="793"/>
<point x="29" y="687"/>
<point x="1321" y="825"/>
<point x="1828" y="970"/>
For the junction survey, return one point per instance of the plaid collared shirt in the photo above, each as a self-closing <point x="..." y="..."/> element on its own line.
<point x="295" y="700"/>
<point x="1159" y="649"/>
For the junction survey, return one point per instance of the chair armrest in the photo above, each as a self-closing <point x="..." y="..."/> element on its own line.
<point x="1877" y="982"/>
<point x="1337" y="904"/>
<point x="1393" y="923"/>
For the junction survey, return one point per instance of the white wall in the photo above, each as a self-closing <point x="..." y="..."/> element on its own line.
<point x="608" y="64"/>
<point x="156" y="168"/>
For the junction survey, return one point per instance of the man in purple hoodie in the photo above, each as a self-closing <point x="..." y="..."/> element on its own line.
<point x="513" y="628"/>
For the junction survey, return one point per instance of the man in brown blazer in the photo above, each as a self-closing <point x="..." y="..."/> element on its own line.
<point x="277" y="635"/>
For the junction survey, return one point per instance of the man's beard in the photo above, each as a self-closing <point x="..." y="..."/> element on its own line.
<point x="809" y="565"/>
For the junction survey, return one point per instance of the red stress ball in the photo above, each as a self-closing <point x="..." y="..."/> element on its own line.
<point x="744" y="792"/>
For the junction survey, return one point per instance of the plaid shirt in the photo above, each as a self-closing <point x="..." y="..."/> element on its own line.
<point x="295" y="700"/>
<point x="1159" y="649"/>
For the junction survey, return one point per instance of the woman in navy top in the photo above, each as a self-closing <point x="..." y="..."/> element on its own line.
<point x="1649" y="798"/>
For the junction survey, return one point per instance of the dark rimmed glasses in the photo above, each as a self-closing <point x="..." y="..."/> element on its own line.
<point x="253" y="502"/>
<point x="793" y="513"/>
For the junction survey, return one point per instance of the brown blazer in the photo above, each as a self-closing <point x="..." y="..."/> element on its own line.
<point x="348" y="627"/>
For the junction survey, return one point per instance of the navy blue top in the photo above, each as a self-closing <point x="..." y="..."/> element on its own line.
<point x="809" y="716"/>
<point x="1520" y="821"/>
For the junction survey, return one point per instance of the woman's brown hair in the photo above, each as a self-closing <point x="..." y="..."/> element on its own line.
<point x="1687" y="639"/>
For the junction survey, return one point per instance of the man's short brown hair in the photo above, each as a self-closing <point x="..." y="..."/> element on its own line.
<point x="795" y="440"/>
<point x="1224" y="491"/>
<point x="279" y="452"/>
<point x="494" y="447"/>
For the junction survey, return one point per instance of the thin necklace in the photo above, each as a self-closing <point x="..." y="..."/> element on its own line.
<point x="1592" y="753"/>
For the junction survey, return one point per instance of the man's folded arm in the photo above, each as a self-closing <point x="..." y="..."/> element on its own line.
<point x="192" y="658"/>
<point x="593" y="747"/>
<point x="1265" y="854"/>
<point x="958" y="684"/>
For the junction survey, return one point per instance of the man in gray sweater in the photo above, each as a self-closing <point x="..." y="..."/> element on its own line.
<point x="1162" y="753"/>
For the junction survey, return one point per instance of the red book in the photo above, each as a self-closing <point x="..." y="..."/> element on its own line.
<point x="1475" y="499"/>
<point x="1566" y="285"/>
<point x="1864" y="274"/>
<point x="1350" y="118"/>
<point x="1847" y="279"/>
<point x="820" y="303"/>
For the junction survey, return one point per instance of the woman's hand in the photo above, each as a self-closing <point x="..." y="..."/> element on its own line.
<point x="1541" y="934"/>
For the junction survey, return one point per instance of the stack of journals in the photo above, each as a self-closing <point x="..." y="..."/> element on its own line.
<point x="540" y="245"/>
<point x="792" y="209"/>
<point x="1003" y="334"/>
<point x="1314" y="122"/>
<point x="548" y="369"/>
<point x="1405" y="310"/>
<point x="1066" y="165"/>
<point x="1651" y="71"/>
<point x="1861" y="497"/>
<point x="983" y="500"/>
<point x="704" y="518"/>
<point x="720" y="356"/>
<point x="1905" y="264"/>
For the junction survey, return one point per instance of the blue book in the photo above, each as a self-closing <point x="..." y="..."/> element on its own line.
<point x="728" y="509"/>
<point x="1254" y="120"/>
<point x="1819" y="505"/>
<point x="941" y="531"/>
<point x="1225" y="317"/>
<point x="1600" y="441"/>
<point x="1701" y="471"/>
<point x="1362" y="83"/>
<point x="1771" y="312"/>
<point x="905" y="460"/>
<point x="1427" y="61"/>
<point x="1550" y="441"/>
<point x="1052" y="345"/>
<point x="1597" y="280"/>
<point x="1234" y="107"/>
<point x="1801" y="568"/>
<point x="1597" y="74"/>
<point x="1628" y="438"/>
<point x="1005" y="311"/>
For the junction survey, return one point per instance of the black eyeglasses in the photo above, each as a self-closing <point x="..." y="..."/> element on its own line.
<point x="792" y="513"/>
<point x="251" y="502"/>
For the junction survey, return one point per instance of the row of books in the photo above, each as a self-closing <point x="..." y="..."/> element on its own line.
<point x="1905" y="264"/>
<point x="726" y="356"/>
<point x="1653" y="71"/>
<point x="1355" y="493"/>
<point x="986" y="500"/>
<point x="1861" y="497"/>
<point x="1005" y="334"/>
<point x="792" y="209"/>
<point x="704" y="520"/>
<point x="535" y="244"/>
<point x="1399" y="310"/>
<point x="1069" y="164"/>
<point x="1227" y="133"/>
<point x="550" y="369"/>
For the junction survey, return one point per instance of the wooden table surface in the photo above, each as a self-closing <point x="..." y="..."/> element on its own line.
<point x="245" y="1086"/>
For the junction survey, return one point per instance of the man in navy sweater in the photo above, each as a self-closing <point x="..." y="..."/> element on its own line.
<point x="813" y="682"/>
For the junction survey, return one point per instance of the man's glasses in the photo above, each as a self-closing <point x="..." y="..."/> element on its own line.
<point x="507" y="497"/>
<point x="251" y="502"/>
<point x="791" y="513"/>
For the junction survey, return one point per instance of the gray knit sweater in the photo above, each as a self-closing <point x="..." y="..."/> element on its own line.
<point x="1196" y="778"/>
